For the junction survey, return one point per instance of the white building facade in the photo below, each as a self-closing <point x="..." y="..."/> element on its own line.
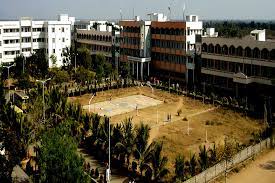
<point x="26" y="36"/>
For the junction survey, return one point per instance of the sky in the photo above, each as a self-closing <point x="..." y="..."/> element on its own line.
<point x="110" y="9"/>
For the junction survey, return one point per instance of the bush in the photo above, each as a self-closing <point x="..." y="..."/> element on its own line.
<point x="185" y="119"/>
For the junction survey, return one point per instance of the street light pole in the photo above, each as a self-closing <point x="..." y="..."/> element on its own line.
<point x="75" y="54"/>
<point x="108" y="171"/>
<point x="43" y="83"/>
<point x="90" y="102"/>
<point x="8" y="67"/>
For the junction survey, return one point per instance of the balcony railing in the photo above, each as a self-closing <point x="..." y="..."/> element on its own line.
<point x="237" y="77"/>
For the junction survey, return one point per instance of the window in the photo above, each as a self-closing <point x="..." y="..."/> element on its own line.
<point x="53" y="40"/>
<point x="0" y="55"/>
<point x="6" y="41"/>
<point x="0" y="31"/>
<point x="53" y="29"/>
<point x="63" y="39"/>
<point x="0" y="43"/>
<point x="53" y="50"/>
<point x="63" y="29"/>
<point x="26" y="50"/>
<point x="26" y="29"/>
<point x="26" y="40"/>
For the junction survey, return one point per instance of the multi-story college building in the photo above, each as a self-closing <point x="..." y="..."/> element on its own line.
<point x="26" y="36"/>
<point x="100" y="39"/>
<point x="163" y="46"/>
<point x="241" y="68"/>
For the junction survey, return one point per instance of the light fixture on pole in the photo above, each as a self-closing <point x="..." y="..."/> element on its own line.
<point x="43" y="83"/>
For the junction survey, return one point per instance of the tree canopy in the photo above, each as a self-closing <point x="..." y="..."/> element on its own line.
<point x="58" y="158"/>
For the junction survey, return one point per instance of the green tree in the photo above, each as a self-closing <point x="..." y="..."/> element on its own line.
<point x="213" y="155"/>
<point x="179" y="167"/>
<point x="192" y="164"/>
<point x="142" y="151"/>
<point x="2" y="93"/>
<point x="59" y="76"/>
<point x="203" y="158"/>
<point x="158" y="162"/>
<point x="125" y="147"/>
<point x="13" y="140"/>
<point x="99" y="73"/>
<point x="84" y="57"/>
<point x="82" y="74"/>
<point x="19" y="68"/>
<point x="58" y="158"/>
<point x="37" y="64"/>
<point x="24" y="82"/>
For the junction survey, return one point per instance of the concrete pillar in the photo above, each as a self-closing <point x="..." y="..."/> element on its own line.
<point x="148" y="72"/>
<point x="141" y="70"/>
<point x="133" y="68"/>
<point x="137" y="70"/>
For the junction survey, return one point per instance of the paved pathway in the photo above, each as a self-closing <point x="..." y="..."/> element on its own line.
<point x="115" y="177"/>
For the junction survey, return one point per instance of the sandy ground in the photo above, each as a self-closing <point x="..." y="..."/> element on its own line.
<point x="174" y="133"/>
<point x="262" y="170"/>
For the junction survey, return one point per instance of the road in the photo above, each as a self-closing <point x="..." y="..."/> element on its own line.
<point x="115" y="177"/>
<point x="262" y="170"/>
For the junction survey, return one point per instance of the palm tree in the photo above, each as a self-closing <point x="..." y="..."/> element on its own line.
<point x="143" y="133"/>
<point x="179" y="167"/>
<point x="117" y="137"/>
<point x="126" y="145"/>
<point x="203" y="157"/>
<point x="103" y="134"/>
<point x="213" y="158"/>
<point x="192" y="164"/>
<point x="142" y="150"/>
<point x="158" y="162"/>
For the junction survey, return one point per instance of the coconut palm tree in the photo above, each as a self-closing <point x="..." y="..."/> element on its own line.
<point x="158" y="162"/>
<point x="179" y="167"/>
<point x="213" y="155"/>
<point x="142" y="150"/>
<point x="192" y="164"/>
<point x="125" y="147"/>
<point x="203" y="158"/>
<point x="116" y="138"/>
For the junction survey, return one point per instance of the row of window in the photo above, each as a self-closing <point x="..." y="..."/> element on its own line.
<point x="168" y="44"/>
<point x="12" y="41"/>
<point x="24" y="40"/>
<point x="63" y="40"/>
<point x="62" y="29"/>
<point x="38" y="29"/>
<point x="17" y="52"/>
<point x="28" y="29"/>
<point x="130" y="40"/>
<point x="101" y="48"/>
<point x="95" y="37"/>
<point x="247" y="69"/>
<point x="169" y="58"/>
<point x="130" y="52"/>
<point x="239" y="51"/>
<point x="131" y="29"/>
